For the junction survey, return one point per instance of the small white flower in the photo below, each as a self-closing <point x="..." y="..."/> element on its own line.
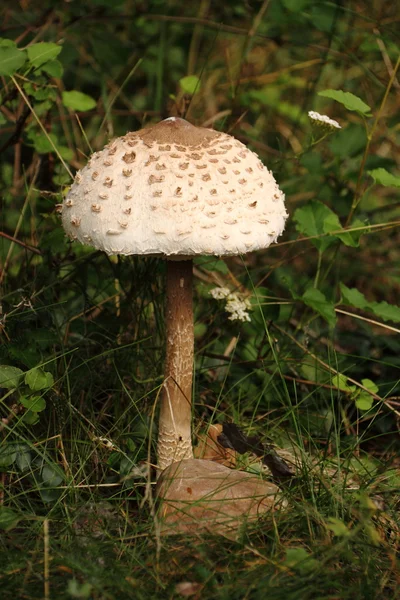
<point x="323" y="121"/>
<point x="219" y="293"/>
<point x="236" y="305"/>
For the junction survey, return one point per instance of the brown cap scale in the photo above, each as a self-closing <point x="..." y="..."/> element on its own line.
<point x="175" y="190"/>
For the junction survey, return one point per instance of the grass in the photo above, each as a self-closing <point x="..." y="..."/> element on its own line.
<point x="316" y="376"/>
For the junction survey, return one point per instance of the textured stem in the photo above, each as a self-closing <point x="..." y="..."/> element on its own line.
<point x="174" y="437"/>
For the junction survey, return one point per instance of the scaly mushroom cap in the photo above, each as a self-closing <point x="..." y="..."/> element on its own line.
<point x="175" y="189"/>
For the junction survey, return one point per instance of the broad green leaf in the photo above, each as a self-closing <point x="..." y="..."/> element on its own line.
<point x="340" y="381"/>
<point x="30" y="418"/>
<point x="51" y="475"/>
<point x="78" y="101"/>
<point x="316" y="300"/>
<point x="41" y="141"/>
<point x="349" y="238"/>
<point x="42" y="52"/>
<point x="370" y="385"/>
<point x="190" y="84"/>
<point x="8" y="518"/>
<point x="6" y="43"/>
<point x="384" y="177"/>
<point x="385" y="311"/>
<point x="310" y="221"/>
<point x="24" y="457"/>
<point x="349" y="101"/>
<point x="34" y="403"/>
<point x="353" y="297"/>
<point x="8" y="454"/>
<point x="364" y="401"/>
<point x="38" y="379"/>
<point x="10" y="377"/>
<point x="11" y="59"/>
<point x="337" y="527"/>
<point x="53" y="68"/>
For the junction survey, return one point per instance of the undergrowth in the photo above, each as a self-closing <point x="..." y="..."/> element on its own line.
<point x="315" y="372"/>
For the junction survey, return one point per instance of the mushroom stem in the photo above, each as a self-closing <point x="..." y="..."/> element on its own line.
<point x="174" y="437"/>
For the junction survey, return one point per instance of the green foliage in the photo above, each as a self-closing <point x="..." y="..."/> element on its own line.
<point x="76" y="100"/>
<point x="348" y="100"/>
<point x="83" y="336"/>
<point x="11" y="58"/>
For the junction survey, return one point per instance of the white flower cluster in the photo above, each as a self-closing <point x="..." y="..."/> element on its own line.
<point x="323" y="120"/>
<point x="236" y="304"/>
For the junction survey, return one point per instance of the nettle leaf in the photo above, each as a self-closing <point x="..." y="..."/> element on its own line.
<point x="349" y="238"/>
<point x="34" y="403"/>
<point x="384" y="177"/>
<point x="8" y="518"/>
<point x="10" y="377"/>
<point x="310" y="221"/>
<point x="11" y="59"/>
<point x="78" y="101"/>
<point x="190" y="84"/>
<point x="38" y="379"/>
<point x="348" y="100"/>
<point x="353" y="297"/>
<point x="42" y="53"/>
<point x="317" y="300"/>
<point x="387" y="312"/>
<point x="383" y="310"/>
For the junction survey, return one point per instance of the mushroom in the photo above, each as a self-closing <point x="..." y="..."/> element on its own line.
<point x="175" y="190"/>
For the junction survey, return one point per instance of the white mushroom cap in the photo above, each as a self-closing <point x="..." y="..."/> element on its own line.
<point x="175" y="189"/>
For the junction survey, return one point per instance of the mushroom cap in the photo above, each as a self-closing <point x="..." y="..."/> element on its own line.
<point x="175" y="189"/>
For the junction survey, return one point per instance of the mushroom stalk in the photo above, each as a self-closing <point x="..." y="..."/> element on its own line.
<point x="174" y="437"/>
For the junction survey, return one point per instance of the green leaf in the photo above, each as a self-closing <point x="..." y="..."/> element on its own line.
<point x="78" y="101"/>
<point x="41" y="141"/>
<point x="30" y="418"/>
<point x="353" y="297"/>
<point x="42" y="52"/>
<point x="190" y="84"/>
<point x="349" y="101"/>
<point x="317" y="300"/>
<point x="310" y="221"/>
<point x="11" y="59"/>
<point x="385" y="311"/>
<point x="384" y="178"/>
<point x="38" y="379"/>
<point x="364" y="401"/>
<point x="300" y="560"/>
<point x="349" y="238"/>
<point x="34" y="403"/>
<point x="370" y="385"/>
<point x="24" y="458"/>
<point x="53" y="68"/>
<point x="79" y="590"/>
<point x="51" y="475"/>
<point x="8" y="518"/>
<point x="340" y="381"/>
<point x="10" y="377"/>
<point x="8" y="454"/>
<point x="6" y="43"/>
<point x="337" y="527"/>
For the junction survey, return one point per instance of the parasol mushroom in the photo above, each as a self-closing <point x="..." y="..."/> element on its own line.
<point x="175" y="190"/>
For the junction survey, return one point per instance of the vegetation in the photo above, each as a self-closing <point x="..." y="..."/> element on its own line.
<point x="316" y="370"/>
